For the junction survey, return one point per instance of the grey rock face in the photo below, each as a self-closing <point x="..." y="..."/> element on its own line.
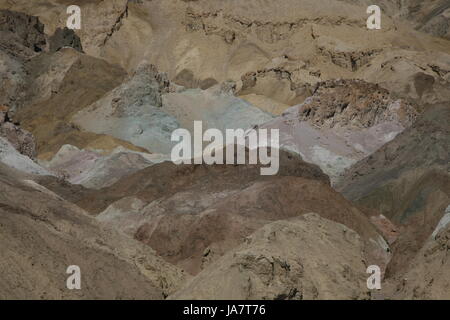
<point x="65" y="38"/>
<point x="21" y="37"/>
<point x="132" y="112"/>
<point x="21" y="140"/>
<point x="26" y="30"/>
<point x="94" y="170"/>
<point x="11" y="157"/>
<point x="145" y="110"/>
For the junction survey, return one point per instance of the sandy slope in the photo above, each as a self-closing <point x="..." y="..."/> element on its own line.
<point x="408" y="181"/>
<point x="42" y="234"/>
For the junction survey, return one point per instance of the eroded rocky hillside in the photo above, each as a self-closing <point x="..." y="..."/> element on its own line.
<point x="86" y="123"/>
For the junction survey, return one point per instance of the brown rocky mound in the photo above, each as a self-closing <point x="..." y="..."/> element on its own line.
<point x="407" y="181"/>
<point x="428" y="275"/>
<point x="354" y="103"/>
<point x="422" y="147"/>
<point x="193" y="214"/>
<point x="301" y="258"/>
<point x="41" y="235"/>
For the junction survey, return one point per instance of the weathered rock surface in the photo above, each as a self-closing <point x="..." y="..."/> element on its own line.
<point x="342" y="122"/>
<point x="430" y="16"/>
<point x="11" y="157"/>
<point x="21" y="140"/>
<point x="408" y="181"/>
<point x="21" y="37"/>
<point x="301" y="258"/>
<point x="97" y="114"/>
<point x="184" y="211"/>
<point x="95" y="170"/>
<point x="145" y="111"/>
<point x="63" y="38"/>
<point x="284" y="48"/>
<point x="428" y="274"/>
<point x="63" y="83"/>
<point x="132" y="112"/>
<point x="42" y="234"/>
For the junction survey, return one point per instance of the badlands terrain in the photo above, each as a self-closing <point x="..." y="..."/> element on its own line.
<point x="86" y="177"/>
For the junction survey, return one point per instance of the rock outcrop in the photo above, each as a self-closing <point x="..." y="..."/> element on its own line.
<point x="408" y="181"/>
<point x="21" y="140"/>
<point x="21" y="38"/>
<point x="63" y="83"/>
<point x="343" y="122"/>
<point x="285" y="48"/>
<point x="146" y="109"/>
<point x="22" y="35"/>
<point x="11" y="157"/>
<point x="86" y="119"/>
<point x="63" y="38"/>
<point x="211" y="209"/>
<point x="42" y="235"/>
<point x="287" y="260"/>
<point x="428" y="274"/>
